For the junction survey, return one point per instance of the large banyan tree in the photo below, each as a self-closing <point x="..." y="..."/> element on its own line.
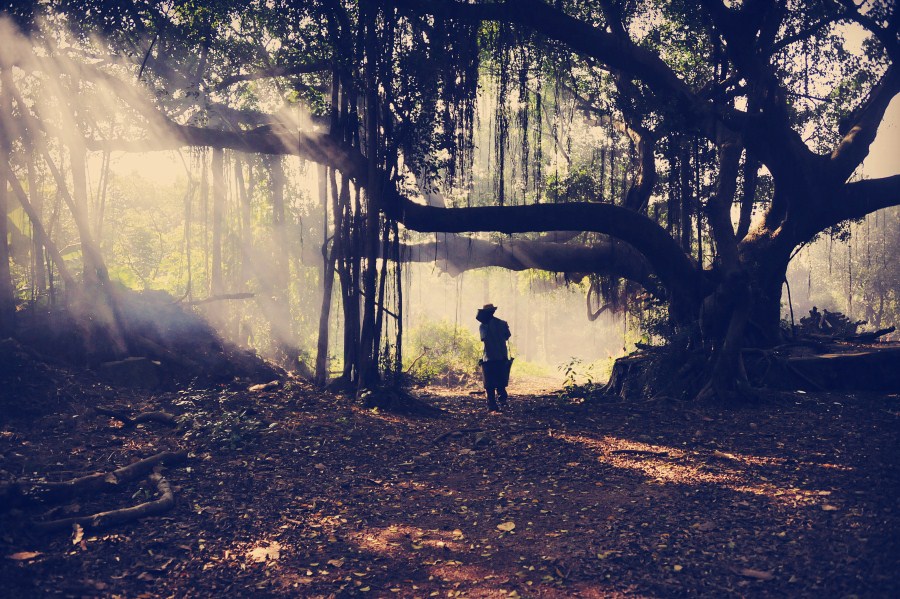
<point x="734" y="133"/>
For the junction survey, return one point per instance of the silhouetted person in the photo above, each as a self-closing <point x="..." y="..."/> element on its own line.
<point x="495" y="363"/>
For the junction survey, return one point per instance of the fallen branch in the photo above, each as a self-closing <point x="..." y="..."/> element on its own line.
<point x="120" y="516"/>
<point x="455" y="433"/>
<point x="46" y="492"/>
<point x="161" y="417"/>
<point x="222" y="298"/>
<point x="871" y="336"/>
<point x="640" y="453"/>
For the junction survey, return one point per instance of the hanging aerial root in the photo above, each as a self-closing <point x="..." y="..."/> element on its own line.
<point x="99" y="520"/>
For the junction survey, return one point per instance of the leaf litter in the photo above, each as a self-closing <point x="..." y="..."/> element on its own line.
<point x="295" y="492"/>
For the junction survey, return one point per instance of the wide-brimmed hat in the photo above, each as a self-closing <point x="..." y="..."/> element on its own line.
<point x="488" y="308"/>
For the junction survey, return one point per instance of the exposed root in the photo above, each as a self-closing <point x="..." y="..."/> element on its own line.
<point x="55" y="492"/>
<point x="399" y="402"/>
<point x="455" y="433"/>
<point x="165" y="502"/>
<point x="641" y="453"/>
<point x="161" y="417"/>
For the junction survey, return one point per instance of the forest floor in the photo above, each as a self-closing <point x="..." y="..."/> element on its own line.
<point x="294" y="492"/>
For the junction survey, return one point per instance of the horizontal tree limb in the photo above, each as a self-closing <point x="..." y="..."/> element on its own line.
<point x="675" y="269"/>
<point x="277" y="71"/>
<point x="455" y="254"/>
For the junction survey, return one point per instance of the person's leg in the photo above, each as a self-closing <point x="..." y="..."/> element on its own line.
<point x="502" y="396"/>
<point x="492" y="401"/>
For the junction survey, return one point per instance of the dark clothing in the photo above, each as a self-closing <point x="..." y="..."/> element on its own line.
<point x="494" y="333"/>
<point x="495" y="373"/>
<point x="496" y="363"/>
<point x="501" y="395"/>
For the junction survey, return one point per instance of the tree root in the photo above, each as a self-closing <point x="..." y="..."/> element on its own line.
<point x="772" y="358"/>
<point x="455" y="433"/>
<point x="641" y="453"/>
<point x="120" y="516"/>
<point x="398" y="401"/>
<point x="162" y="417"/>
<point x="55" y="492"/>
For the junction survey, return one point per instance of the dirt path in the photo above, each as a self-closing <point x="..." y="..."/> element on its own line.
<point x="296" y="493"/>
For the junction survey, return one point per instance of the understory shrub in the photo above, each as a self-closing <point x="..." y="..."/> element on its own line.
<point x="442" y="352"/>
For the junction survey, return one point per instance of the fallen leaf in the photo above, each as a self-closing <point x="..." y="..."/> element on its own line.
<point x="77" y="533"/>
<point x="830" y="508"/>
<point x="24" y="555"/>
<point x="506" y="526"/>
<point x="262" y="554"/>
<point x="337" y="563"/>
<point x="677" y="568"/>
<point x="757" y="574"/>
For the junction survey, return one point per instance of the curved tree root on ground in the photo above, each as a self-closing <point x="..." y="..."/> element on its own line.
<point x="120" y="516"/>
<point x="161" y="417"/>
<point x="47" y="492"/>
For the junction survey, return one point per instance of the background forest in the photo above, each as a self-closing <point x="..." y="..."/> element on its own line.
<point x="124" y="127"/>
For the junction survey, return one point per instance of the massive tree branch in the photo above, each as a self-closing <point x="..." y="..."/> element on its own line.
<point x="854" y="147"/>
<point x="455" y="254"/>
<point x="675" y="269"/>
<point x="315" y="146"/>
<point x="855" y="200"/>
<point x="276" y="71"/>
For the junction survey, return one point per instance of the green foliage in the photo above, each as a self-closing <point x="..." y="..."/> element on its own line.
<point x="579" y="185"/>
<point x="441" y="351"/>
<point x="219" y="421"/>
<point x="583" y="378"/>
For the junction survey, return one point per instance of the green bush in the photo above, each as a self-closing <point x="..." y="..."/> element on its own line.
<point x="442" y="352"/>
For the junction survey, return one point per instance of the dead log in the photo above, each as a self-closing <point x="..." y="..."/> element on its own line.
<point x="50" y="492"/>
<point x="870" y="336"/>
<point x="641" y="453"/>
<point x="455" y="433"/>
<point x="161" y="417"/>
<point x="165" y="502"/>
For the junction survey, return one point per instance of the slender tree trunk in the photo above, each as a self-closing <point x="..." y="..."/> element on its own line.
<point x="37" y="202"/>
<point x="367" y="361"/>
<point x="329" y="258"/>
<point x="687" y="197"/>
<point x="7" y="291"/>
<point x="217" y="286"/>
<point x="94" y="271"/>
<point x="246" y="218"/>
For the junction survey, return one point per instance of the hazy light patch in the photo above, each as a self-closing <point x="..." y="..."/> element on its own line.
<point x="163" y="168"/>
<point x="671" y="465"/>
<point x="400" y="538"/>
<point x="884" y="153"/>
